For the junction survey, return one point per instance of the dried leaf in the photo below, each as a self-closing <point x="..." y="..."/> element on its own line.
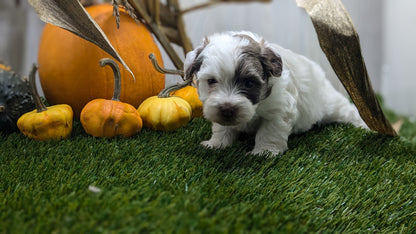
<point x="70" y="15"/>
<point x="398" y="125"/>
<point x="339" y="41"/>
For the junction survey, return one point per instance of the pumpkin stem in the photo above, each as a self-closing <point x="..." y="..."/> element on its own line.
<point x="158" y="68"/>
<point x="166" y="91"/>
<point x="35" y="95"/>
<point x="117" y="78"/>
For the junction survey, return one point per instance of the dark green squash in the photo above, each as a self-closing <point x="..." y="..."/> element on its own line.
<point x="15" y="98"/>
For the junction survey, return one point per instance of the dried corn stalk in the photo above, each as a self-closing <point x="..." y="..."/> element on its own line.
<point x="339" y="41"/>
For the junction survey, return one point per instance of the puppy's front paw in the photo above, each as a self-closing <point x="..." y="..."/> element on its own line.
<point x="213" y="144"/>
<point x="209" y="144"/>
<point x="268" y="152"/>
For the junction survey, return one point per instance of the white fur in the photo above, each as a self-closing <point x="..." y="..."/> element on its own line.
<point x="299" y="98"/>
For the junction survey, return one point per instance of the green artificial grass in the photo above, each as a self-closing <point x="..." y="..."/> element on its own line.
<point x="334" y="178"/>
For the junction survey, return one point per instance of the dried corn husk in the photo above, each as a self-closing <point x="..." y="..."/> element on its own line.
<point x="340" y="43"/>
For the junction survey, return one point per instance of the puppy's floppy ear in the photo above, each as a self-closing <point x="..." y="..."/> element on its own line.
<point x="272" y="62"/>
<point x="188" y="64"/>
<point x="193" y="60"/>
<point x="193" y="65"/>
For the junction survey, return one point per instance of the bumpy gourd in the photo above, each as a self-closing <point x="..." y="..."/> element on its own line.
<point x="15" y="98"/>
<point x="190" y="94"/>
<point x="165" y="113"/>
<point x="109" y="118"/>
<point x="45" y="123"/>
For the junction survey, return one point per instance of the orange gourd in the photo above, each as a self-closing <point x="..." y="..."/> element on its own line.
<point x="68" y="64"/>
<point x="109" y="118"/>
<point x="190" y="94"/>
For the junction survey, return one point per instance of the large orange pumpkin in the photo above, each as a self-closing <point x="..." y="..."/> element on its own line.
<point x="68" y="68"/>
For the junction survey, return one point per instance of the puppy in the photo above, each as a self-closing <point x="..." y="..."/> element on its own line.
<point x="249" y="85"/>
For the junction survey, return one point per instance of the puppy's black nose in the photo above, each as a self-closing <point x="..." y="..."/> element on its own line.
<point x="228" y="111"/>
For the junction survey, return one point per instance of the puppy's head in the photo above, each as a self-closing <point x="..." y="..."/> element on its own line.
<point x="233" y="73"/>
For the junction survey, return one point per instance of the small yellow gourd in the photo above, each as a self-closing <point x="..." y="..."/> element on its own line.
<point x="165" y="113"/>
<point x="45" y="123"/>
<point x="109" y="118"/>
<point x="190" y="94"/>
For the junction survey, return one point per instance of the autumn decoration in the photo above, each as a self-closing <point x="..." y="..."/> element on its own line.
<point x="183" y="89"/>
<point x="45" y="123"/>
<point x="165" y="113"/>
<point x="15" y="98"/>
<point x="336" y="34"/>
<point x="190" y="94"/>
<point x="68" y="64"/>
<point x="110" y="118"/>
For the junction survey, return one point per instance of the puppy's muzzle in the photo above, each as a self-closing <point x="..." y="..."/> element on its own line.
<point x="228" y="113"/>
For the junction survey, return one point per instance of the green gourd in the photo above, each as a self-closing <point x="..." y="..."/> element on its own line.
<point x="15" y="98"/>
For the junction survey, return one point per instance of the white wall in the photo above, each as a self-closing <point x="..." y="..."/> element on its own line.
<point x="367" y="17"/>
<point x="398" y="71"/>
<point x="12" y="27"/>
<point x="20" y="31"/>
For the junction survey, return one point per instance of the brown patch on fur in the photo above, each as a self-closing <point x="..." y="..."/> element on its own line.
<point x="257" y="63"/>
<point x="196" y="64"/>
<point x="272" y="63"/>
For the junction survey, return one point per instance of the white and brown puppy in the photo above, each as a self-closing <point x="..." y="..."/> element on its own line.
<point x="249" y="85"/>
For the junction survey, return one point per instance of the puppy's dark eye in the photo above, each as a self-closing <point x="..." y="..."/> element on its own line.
<point x="212" y="81"/>
<point x="249" y="84"/>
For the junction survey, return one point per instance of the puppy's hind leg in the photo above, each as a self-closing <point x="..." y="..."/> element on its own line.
<point x="341" y="110"/>
<point x="272" y="137"/>
<point x="222" y="136"/>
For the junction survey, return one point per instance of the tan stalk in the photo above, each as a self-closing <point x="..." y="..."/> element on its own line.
<point x="164" y="41"/>
<point x="166" y="91"/>
<point x="162" y="70"/>
<point x="180" y="26"/>
<point x="155" y="11"/>
<point x="34" y="91"/>
<point x="117" y="76"/>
